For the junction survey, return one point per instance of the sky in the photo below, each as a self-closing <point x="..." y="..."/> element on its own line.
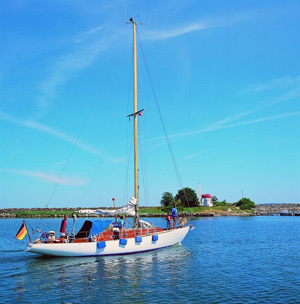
<point x="223" y="75"/>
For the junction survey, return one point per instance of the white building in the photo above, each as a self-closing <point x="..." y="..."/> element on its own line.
<point x="206" y="200"/>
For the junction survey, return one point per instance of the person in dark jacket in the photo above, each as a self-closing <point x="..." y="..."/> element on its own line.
<point x="63" y="228"/>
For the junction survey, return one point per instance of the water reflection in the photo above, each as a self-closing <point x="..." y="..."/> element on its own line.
<point x="19" y="290"/>
<point x="121" y="276"/>
<point x="224" y="260"/>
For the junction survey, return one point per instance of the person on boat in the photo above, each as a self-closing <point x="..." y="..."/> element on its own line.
<point x="74" y="220"/>
<point x="168" y="218"/>
<point x="174" y="215"/>
<point x="121" y="222"/>
<point x="117" y="227"/>
<point x="63" y="228"/>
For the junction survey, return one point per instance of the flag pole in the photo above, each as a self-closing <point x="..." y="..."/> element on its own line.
<point x="115" y="209"/>
<point x="27" y="230"/>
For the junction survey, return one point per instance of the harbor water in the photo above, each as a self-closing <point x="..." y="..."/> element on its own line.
<point x="223" y="260"/>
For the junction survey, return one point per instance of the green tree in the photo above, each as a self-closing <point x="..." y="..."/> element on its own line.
<point x="167" y="199"/>
<point x="223" y="203"/>
<point x="245" y="204"/>
<point x="214" y="200"/>
<point x="188" y="197"/>
<point x="179" y="206"/>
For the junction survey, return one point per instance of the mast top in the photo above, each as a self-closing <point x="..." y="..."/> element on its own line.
<point x="130" y="20"/>
<point x="133" y="22"/>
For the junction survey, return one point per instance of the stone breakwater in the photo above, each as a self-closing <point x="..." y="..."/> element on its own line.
<point x="262" y="209"/>
<point x="39" y="212"/>
<point x="270" y="209"/>
<point x="13" y="212"/>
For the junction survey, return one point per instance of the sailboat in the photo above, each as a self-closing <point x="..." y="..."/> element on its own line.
<point x="101" y="237"/>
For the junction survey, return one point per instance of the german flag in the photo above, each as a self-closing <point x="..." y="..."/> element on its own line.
<point x="22" y="232"/>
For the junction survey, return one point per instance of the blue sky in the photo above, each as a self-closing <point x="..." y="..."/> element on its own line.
<point x="227" y="79"/>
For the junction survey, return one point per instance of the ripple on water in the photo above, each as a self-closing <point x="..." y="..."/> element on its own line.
<point x="224" y="260"/>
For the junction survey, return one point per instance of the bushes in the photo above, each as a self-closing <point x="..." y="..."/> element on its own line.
<point x="223" y="203"/>
<point x="168" y="209"/>
<point x="167" y="200"/>
<point x="245" y="204"/>
<point x="185" y="197"/>
<point x="188" y="197"/>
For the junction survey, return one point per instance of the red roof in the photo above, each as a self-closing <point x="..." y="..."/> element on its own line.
<point x="206" y="196"/>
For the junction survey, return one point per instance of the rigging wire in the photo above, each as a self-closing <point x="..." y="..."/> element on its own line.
<point x="71" y="153"/>
<point x="108" y="135"/>
<point x="96" y="171"/>
<point x="128" y="153"/>
<point x="101" y="158"/>
<point x="32" y="230"/>
<point x="162" y="122"/>
<point x="143" y="153"/>
<point x="127" y="167"/>
<point x="143" y="174"/>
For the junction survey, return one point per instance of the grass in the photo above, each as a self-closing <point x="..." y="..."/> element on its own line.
<point x="214" y="209"/>
<point x="42" y="213"/>
<point x="142" y="210"/>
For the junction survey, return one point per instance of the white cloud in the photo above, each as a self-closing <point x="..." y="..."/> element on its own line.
<point x="262" y="119"/>
<point x="43" y="128"/>
<point x="165" y="34"/>
<point x="234" y="117"/>
<point x="89" y="33"/>
<point x="284" y="82"/>
<point x="218" y="126"/>
<point x="49" y="130"/>
<point x="185" y="29"/>
<point x="197" y="154"/>
<point x="290" y="95"/>
<point x="70" y="65"/>
<point x="208" y="23"/>
<point x="67" y="181"/>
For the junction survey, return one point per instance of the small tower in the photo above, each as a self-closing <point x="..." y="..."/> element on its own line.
<point x="199" y="194"/>
<point x="207" y="200"/>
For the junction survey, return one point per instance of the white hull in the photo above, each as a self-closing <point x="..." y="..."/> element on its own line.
<point x="165" y="239"/>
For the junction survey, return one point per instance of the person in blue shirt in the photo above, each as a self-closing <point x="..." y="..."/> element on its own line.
<point x="118" y="226"/>
<point x="174" y="215"/>
<point x="121" y="221"/>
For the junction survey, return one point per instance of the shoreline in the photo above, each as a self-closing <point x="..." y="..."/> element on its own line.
<point x="59" y="213"/>
<point x="260" y="210"/>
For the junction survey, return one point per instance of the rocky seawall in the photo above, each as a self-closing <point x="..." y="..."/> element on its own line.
<point x="262" y="209"/>
<point x="37" y="212"/>
<point x="274" y="209"/>
<point x="59" y="212"/>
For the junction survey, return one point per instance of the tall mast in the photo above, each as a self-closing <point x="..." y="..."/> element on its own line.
<point x="135" y="111"/>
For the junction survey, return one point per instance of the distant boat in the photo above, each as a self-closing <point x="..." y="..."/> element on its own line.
<point x="285" y="213"/>
<point x="102" y="237"/>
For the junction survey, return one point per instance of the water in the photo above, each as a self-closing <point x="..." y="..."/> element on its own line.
<point x="224" y="260"/>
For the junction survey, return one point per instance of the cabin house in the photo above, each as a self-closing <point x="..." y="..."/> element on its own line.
<point x="206" y="200"/>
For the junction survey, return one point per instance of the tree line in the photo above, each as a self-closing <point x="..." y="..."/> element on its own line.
<point x="187" y="197"/>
